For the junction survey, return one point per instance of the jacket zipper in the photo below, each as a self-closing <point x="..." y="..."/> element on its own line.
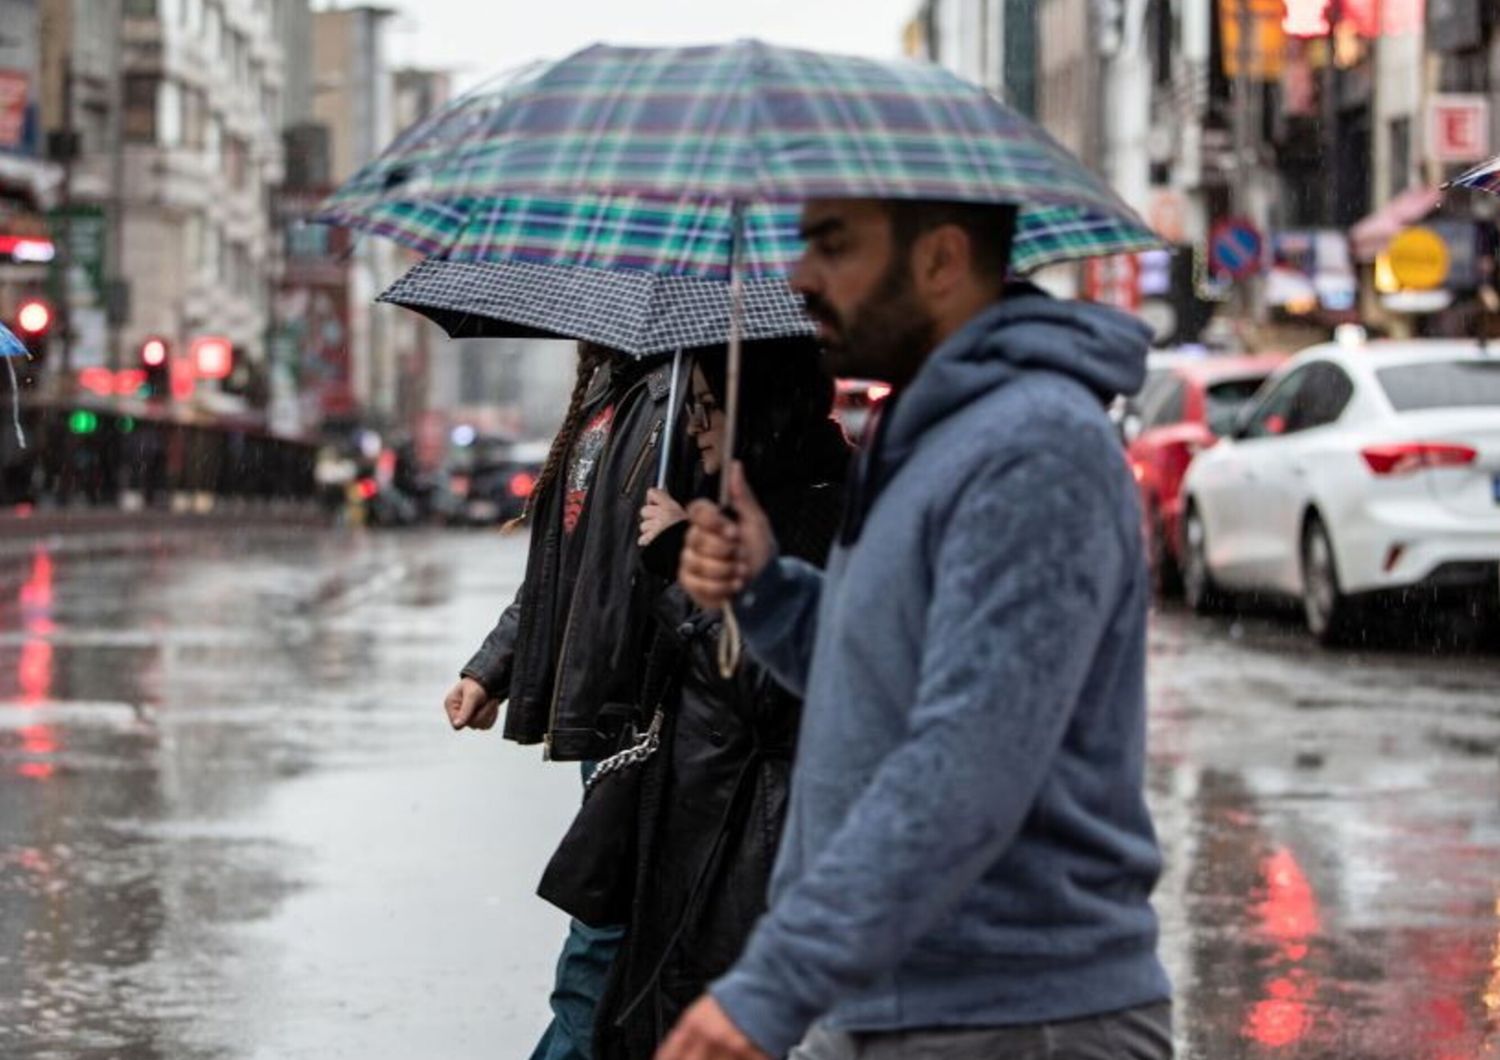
<point x="562" y="651"/>
<point x="642" y="459"/>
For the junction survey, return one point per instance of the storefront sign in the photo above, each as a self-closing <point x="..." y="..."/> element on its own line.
<point x="84" y="231"/>
<point x="1418" y="259"/>
<point x="1458" y="128"/>
<point x="14" y="100"/>
<point x="1264" y="46"/>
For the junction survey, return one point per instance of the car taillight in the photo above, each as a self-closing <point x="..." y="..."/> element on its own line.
<point x="1405" y="457"/>
<point x="521" y="485"/>
<point x="368" y="487"/>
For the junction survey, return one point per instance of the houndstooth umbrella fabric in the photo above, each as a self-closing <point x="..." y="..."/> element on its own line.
<point x="744" y="123"/>
<point x="635" y="312"/>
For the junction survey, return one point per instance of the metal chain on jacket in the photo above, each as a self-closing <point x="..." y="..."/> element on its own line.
<point x="640" y="751"/>
<point x="658" y="672"/>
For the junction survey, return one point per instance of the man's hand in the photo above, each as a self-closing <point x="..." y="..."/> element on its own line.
<point x="469" y="706"/>
<point x="723" y="555"/>
<point x="705" y="1032"/>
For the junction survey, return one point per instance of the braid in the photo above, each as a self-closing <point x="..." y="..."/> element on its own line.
<point x="590" y="358"/>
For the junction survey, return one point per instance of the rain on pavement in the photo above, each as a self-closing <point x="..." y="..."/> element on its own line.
<point x="233" y="822"/>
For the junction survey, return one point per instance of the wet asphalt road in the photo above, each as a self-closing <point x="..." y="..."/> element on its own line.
<point x="234" y="824"/>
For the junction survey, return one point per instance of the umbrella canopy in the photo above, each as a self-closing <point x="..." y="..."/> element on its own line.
<point x="735" y="124"/>
<point x="678" y="237"/>
<point x="10" y="346"/>
<point x="635" y="312"/>
<point x="1481" y="178"/>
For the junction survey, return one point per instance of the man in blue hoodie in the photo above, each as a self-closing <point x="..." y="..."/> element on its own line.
<point x="968" y="858"/>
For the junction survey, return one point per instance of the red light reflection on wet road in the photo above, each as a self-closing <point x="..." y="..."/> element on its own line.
<point x="1288" y="917"/>
<point x="36" y="669"/>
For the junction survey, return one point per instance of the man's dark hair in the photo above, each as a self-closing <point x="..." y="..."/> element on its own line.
<point x="991" y="229"/>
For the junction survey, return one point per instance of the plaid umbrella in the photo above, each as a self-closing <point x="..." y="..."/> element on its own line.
<point x="11" y="348"/>
<point x="678" y="238"/>
<point x="1481" y="178"/>
<point x="635" y="312"/>
<point x="733" y="124"/>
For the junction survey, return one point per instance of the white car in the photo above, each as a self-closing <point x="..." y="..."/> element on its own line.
<point x="1359" y="469"/>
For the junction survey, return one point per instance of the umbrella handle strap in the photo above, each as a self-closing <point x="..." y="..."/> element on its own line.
<point x="731" y="645"/>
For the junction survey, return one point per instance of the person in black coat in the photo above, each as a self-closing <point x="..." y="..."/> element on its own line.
<point x="716" y="793"/>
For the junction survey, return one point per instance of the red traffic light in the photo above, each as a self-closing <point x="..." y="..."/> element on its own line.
<point x="35" y="317"/>
<point x="213" y="357"/>
<point x="154" y="353"/>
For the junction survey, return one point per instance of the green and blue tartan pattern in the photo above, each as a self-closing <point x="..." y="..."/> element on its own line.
<point x="680" y="238"/>
<point x="742" y="123"/>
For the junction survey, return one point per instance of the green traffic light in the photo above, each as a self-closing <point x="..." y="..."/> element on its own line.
<point x="127" y="424"/>
<point x="83" y="422"/>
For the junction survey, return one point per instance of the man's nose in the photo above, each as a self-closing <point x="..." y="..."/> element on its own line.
<point x="803" y="278"/>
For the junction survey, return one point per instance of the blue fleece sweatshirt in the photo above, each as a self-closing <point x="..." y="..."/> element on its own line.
<point x="968" y="842"/>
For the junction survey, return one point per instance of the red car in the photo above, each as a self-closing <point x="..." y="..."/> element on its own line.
<point x="1183" y="410"/>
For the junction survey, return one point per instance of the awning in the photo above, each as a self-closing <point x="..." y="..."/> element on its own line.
<point x="1370" y="236"/>
<point x="41" y="181"/>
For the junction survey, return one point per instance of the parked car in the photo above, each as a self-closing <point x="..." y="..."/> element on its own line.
<point x="1125" y="410"/>
<point x="1360" y="470"/>
<point x="495" y="489"/>
<point x="853" y="402"/>
<point x="1183" y="410"/>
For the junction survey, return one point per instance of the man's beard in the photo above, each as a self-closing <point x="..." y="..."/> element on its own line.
<point x="887" y="336"/>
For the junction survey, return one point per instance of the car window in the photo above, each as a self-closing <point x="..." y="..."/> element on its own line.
<point x="1225" y="400"/>
<point x="1442" y="385"/>
<point x="1149" y="394"/>
<point x="1165" y="404"/>
<point x="1321" y="400"/>
<point x="1270" y="417"/>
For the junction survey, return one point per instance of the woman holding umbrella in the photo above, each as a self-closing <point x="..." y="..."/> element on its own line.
<point x="718" y="787"/>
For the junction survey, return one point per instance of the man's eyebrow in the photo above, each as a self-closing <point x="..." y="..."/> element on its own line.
<point x="819" y="229"/>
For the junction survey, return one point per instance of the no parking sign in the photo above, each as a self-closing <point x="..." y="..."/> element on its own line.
<point x="1235" y="248"/>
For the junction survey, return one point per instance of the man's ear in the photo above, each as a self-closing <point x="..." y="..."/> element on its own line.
<point x="941" y="259"/>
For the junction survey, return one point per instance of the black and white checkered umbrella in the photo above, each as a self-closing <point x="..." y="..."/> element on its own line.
<point x="638" y="313"/>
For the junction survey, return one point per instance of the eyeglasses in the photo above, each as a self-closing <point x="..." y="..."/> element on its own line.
<point x="698" y="412"/>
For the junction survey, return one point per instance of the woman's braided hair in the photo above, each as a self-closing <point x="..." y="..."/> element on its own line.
<point x="591" y="358"/>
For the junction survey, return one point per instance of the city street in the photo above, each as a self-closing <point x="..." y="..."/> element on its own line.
<point x="234" y="823"/>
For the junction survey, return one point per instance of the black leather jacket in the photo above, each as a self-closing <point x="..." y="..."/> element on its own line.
<point x="562" y="675"/>
<point x="713" y="806"/>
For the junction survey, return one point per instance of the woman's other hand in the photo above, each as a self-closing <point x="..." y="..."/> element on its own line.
<point x="659" y="513"/>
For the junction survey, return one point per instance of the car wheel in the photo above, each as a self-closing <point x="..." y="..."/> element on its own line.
<point x="1326" y="608"/>
<point x="1198" y="587"/>
<point x="1166" y="578"/>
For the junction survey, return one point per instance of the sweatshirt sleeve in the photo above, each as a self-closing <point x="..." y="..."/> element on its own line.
<point x="778" y="615"/>
<point x="1026" y="574"/>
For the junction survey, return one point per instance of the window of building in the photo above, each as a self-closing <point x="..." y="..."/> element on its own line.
<point x="140" y="8"/>
<point x="236" y="162"/>
<point x="141" y="107"/>
<point x="169" y="123"/>
<point x="307" y="242"/>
